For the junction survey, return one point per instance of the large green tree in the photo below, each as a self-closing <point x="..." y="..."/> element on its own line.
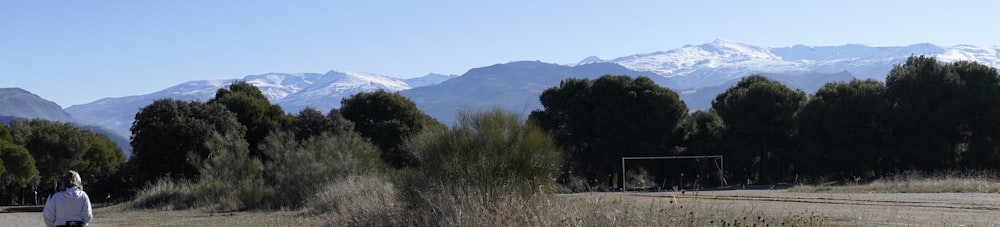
<point x="980" y="125"/>
<point x="167" y="131"/>
<point x="599" y="121"/>
<point x="842" y="131"/>
<point x="310" y="122"/>
<point x="703" y="133"/>
<point x="944" y="115"/>
<point x="58" y="147"/>
<point x="758" y="113"/>
<point x="253" y="110"/>
<point x="387" y="119"/>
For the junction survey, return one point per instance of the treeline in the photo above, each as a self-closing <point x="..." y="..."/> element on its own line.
<point x="237" y="150"/>
<point x="928" y="116"/>
<point x="34" y="153"/>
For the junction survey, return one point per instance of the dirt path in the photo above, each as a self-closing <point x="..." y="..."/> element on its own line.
<point x="920" y="209"/>
<point x="21" y="219"/>
<point x="852" y="209"/>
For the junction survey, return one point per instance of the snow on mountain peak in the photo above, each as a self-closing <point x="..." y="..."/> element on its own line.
<point x="718" y="53"/>
<point x="721" y="60"/>
<point x="591" y="59"/>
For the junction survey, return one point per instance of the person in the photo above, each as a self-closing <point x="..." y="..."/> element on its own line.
<point x="70" y="207"/>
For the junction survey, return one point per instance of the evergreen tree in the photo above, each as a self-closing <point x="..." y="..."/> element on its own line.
<point x="758" y="113"/>
<point x="387" y="119"/>
<point x="599" y="121"/>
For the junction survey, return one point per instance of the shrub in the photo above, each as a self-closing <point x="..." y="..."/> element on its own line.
<point x="298" y="170"/>
<point x="230" y="179"/>
<point x="486" y="160"/>
<point x="358" y="201"/>
<point x="165" y="194"/>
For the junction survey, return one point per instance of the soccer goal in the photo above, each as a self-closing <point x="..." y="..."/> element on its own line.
<point x="717" y="159"/>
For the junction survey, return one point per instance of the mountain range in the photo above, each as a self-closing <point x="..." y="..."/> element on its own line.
<point x="697" y="72"/>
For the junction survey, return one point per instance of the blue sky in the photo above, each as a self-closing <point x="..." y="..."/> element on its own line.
<point x="75" y="52"/>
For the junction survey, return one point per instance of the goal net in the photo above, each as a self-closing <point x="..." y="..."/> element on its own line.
<point x="717" y="160"/>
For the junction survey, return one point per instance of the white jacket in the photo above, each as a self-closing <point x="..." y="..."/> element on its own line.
<point x="70" y="205"/>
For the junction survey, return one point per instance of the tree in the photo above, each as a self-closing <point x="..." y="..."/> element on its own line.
<point x="252" y="110"/>
<point x="167" y="131"/>
<point x="842" y="132"/>
<point x="944" y="115"/>
<point x="980" y="128"/>
<point x="387" y="119"/>
<point x="758" y="115"/>
<point x="5" y="136"/>
<point x="21" y="174"/>
<point x="924" y="97"/>
<point x="58" y="147"/>
<point x="703" y="133"/>
<point x="599" y="121"/>
<point x="19" y="164"/>
<point x="310" y="122"/>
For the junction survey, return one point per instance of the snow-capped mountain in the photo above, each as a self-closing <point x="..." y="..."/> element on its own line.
<point x="714" y="63"/>
<point x="326" y="93"/>
<point x="292" y="91"/>
<point x="697" y="72"/>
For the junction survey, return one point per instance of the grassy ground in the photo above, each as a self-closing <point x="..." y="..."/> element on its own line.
<point x="916" y="182"/>
<point x="121" y="215"/>
<point x="581" y="209"/>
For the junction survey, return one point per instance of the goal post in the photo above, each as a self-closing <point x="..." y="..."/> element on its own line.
<point x="717" y="159"/>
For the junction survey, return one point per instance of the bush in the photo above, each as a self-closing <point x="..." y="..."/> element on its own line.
<point x="165" y="194"/>
<point x="230" y="179"/>
<point x="358" y="201"/>
<point x="298" y="170"/>
<point x="486" y="160"/>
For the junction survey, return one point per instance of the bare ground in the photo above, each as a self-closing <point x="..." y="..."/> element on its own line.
<point x="863" y="209"/>
<point x="851" y="209"/>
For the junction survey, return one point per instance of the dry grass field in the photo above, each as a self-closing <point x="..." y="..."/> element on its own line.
<point x="705" y="208"/>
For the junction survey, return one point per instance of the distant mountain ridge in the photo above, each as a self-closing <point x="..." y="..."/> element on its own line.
<point x="19" y="103"/>
<point x="711" y="64"/>
<point x="697" y="72"/>
<point x="514" y="86"/>
<point x="293" y="91"/>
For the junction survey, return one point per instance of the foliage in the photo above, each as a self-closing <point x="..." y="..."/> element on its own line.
<point x="310" y="122"/>
<point x="167" y="132"/>
<point x="230" y="179"/>
<point x="387" y="119"/>
<point x="5" y="136"/>
<point x="597" y="122"/>
<point x="944" y="115"/>
<point x="488" y="154"/>
<point x="19" y="163"/>
<point x="842" y="132"/>
<point x="758" y="113"/>
<point x="58" y="147"/>
<point x="252" y="110"/>
<point x="703" y="133"/>
<point x="299" y="169"/>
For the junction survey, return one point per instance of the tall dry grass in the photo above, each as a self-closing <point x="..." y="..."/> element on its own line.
<point x="917" y="182"/>
<point x="360" y="203"/>
<point x="165" y="194"/>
